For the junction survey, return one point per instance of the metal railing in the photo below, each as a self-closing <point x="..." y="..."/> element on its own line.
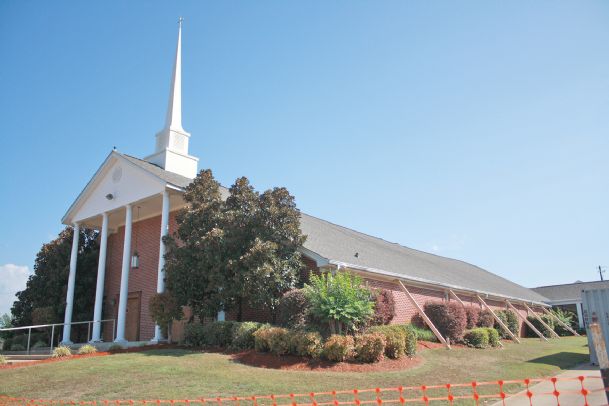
<point x="52" y="326"/>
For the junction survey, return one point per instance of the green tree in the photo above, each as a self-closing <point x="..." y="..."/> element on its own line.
<point x="340" y="300"/>
<point x="234" y="252"/>
<point x="45" y="291"/>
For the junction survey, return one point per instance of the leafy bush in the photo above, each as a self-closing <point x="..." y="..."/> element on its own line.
<point x="493" y="337"/>
<point x="384" y="307"/>
<point x="193" y="335"/>
<point x="87" y="349"/>
<point x="39" y="344"/>
<point x="218" y="333"/>
<point x="424" y="334"/>
<point x="294" y="309"/>
<point x="547" y="319"/>
<point x="17" y="347"/>
<point x="339" y="348"/>
<point x="3" y="360"/>
<point x="339" y="300"/>
<point x="370" y="347"/>
<point x="450" y="319"/>
<point x="7" y="344"/>
<point x="566" y="317"/>
<point x="243" y="335"/>
<point x="472" y="314"/>
<point x="306" y="344"/>
<point x="164" y="309"/>
<point x="510" y="319"/>
<point x="400" y="340"/>
<point x="272" y="339"/>
<point x="61" y="351"/>
<point x="477" y="337"/>
<point x="486" y="319"/>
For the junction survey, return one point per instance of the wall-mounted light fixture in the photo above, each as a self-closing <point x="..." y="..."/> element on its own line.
<point x="135" y="258"/>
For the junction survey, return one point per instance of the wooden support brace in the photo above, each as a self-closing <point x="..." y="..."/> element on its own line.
<point x="424" y="316"/>
<point x="454" y="295"/>
<point x="541" y="321"/>
<point x="562" y="323"/>
<point x="498" y="320"/>
<point x="531" y="326"/>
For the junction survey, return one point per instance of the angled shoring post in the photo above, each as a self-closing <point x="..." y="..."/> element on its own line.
<point x="528" y="323"/>
<point x="424" y="316"/>
<point x="453" y="294"/>
<point x="562" y="323"/>
<point x="498" y="320"/>
<point x="541" y="320"/>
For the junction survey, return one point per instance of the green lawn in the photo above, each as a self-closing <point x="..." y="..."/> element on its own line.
<point x="180" y="374"/>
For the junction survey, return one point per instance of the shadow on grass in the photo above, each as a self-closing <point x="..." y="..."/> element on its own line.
<point x="562" y="359"/>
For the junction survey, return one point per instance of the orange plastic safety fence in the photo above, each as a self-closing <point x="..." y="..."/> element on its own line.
<point x="424" y="394"/>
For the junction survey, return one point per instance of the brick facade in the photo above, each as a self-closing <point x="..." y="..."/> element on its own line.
<point x="143" y="281"/>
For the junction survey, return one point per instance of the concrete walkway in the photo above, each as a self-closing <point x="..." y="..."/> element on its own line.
<point x="594" y="398"/>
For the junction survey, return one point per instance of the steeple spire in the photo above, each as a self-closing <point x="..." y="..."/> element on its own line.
<point x="174" y="109"/>
<point x="171" y="152"/>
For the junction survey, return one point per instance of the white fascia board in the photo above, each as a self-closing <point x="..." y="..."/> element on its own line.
<point x="563" y="302"/>
<point x="426" y="282"/>
<point x="319" y="260"/>
<point x="90" y="186"/>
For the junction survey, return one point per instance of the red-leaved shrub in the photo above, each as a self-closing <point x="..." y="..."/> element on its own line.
<point x="486" y="319"/>
<point x="384" y="307"/>
<point x="450" y="319"/>
<point x="473" y="314"/>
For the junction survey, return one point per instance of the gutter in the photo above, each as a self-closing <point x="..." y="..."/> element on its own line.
<point x="432" y="283"/>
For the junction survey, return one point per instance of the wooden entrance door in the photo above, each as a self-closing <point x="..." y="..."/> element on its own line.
<point x="132" y="323"/>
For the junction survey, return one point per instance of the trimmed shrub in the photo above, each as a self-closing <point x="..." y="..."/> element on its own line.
<point x="39" y="344"/>
<point x="472" y="314"/>
<point x="6" y="345"/>
<point x="486" y="319"/>
<point x="384" y="307"/>
<point x="306" y="344"/>
<point x="400" y="339"/>
<point x="61" y="351"/>
<point x="3" y="360"/>
<point x="294" y="309"/>
<point x="411" y="340"/>
<point x="243" y="335"/>
<point x="272" y="339"/>
<point x="477" y="337"/>
<point x="115" y="347"/>
<point x="339" y="348"/>
<point x="369" y="347"/>
<point x="450" y="319"/>
<point x="218" y="333"/>
<point x="493" y="337"/>
<point x="193" y="335"/>
<point x="510" y="319"/>
<point x="17" y="347"/>
<point x="87" y="349"/>
<point x="539" y="326"/>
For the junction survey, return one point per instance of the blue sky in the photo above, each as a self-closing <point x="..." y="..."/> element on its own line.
<point x="477" y="130"/>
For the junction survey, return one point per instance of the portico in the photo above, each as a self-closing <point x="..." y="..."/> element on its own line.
<point x="124" y="195"/>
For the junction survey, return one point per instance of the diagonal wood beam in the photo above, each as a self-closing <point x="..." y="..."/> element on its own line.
<point x="541" y="321"/>
<point x="531" y="326"/>
<point x="562" y="323"/>
<point x="454" y="295"/>
<point x="423" y="315"/>
<point x="498" y="320"/>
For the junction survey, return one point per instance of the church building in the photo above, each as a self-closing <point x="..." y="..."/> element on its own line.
<point x="133" y="201"/>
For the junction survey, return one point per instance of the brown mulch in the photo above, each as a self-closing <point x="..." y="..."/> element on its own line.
<point x="294" y="363"/>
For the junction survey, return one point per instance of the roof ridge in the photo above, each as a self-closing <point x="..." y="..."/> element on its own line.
<point x="567" y="284"/>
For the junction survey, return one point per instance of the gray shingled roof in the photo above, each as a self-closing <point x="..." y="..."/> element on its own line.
<point x="569" y="291"/>
<point x="337" y="243"/>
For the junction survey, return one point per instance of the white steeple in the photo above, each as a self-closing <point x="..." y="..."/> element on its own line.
<point x="171" y="152"/>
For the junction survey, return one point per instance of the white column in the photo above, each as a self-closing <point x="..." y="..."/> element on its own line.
<point x="124" y="291"/>
<point x="160" y="282"/>
<point x="101" y="275"/>
<point x="71" y="281"/>
<point x="580" y="314"/>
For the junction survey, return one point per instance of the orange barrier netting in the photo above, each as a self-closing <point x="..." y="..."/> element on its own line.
<point x="423" y="394"/>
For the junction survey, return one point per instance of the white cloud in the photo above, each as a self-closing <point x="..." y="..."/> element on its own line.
<point x="12" y="280"/>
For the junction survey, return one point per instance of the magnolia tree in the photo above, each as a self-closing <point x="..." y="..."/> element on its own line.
<point x="229" y="253"/>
